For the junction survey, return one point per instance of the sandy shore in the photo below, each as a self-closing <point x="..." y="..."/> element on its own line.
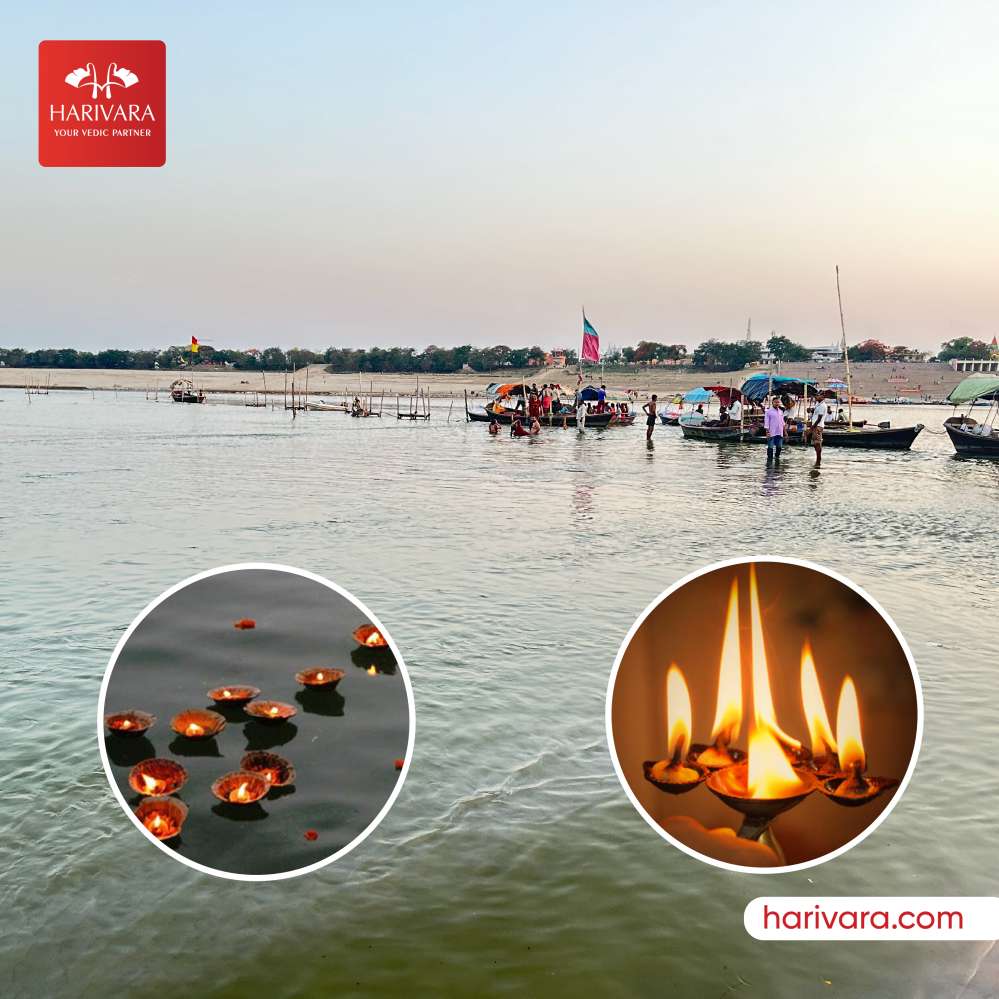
<point x="915" y="381"/>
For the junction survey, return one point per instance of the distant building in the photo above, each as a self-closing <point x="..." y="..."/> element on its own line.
<point x="822" y="355"/>
<point x="555" y="358"/>
<point x="989" y="364"/>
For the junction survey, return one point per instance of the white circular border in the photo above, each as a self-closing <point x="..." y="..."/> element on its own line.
<point x="787" y="868"/>
<point x="366" y="832"/>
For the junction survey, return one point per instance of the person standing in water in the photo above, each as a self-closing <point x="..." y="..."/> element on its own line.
<point x="650" y="409"/>
<point x="773" y="423"/>
<point x="817" y="427"/>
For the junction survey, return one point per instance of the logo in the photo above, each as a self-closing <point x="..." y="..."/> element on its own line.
<point x="108" y="110"/>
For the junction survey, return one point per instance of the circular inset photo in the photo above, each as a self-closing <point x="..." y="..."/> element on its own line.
<point x="256" y="722"/>
<point x="764" y="715"/>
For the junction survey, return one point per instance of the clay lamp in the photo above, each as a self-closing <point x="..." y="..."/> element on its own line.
<point x="198" y="723"/>
<point x="162" y="816"/>
<point x="320" y="678"/>
<point x="762" y="787"/>
<point x="728" y="708"/>
<point x="233" y="694"/>
<point x="368" y="636"/>
<point x="270" y="711"/>
<point x="157" y="777"/>
<point x="240" y="787"/>
<point x="131" y="722"/>
<point x="852" y="786"/>
<point x="673" y="775"/>
<point x="276" y="770"/>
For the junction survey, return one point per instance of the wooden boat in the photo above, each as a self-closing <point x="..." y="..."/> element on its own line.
<point x="183" y="390"/>
<point x="478" y="414"/>
<point x="327" y="407"/>
<point x="712" y="430"/>
<point x="970" y="436"/>
<point x="882" y="438"/>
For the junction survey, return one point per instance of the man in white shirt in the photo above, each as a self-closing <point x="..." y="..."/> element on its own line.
<point x="735" y="411"/>
<point x="817" y="427"/>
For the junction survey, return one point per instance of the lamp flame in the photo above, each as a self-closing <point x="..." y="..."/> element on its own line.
<point x="319" y="675"/>
<point x="375" y="638"/>
<point x="764" y="715"/>
<point x="728" y="712"/>
<point x="151" y="783"/>
<point x="195" y="729"/>
<point x="156" y="823"/>
<point x="126" y="724"/>
<point x="227" y="693"/>
<point x="372" y="671"/>
<point x="679" y="714"/>
<point x="769" y="773"/>
<point x="819" y="730"/>
<point x="271" y="712"/>
<point x="240" y="794"/>
<point x="851" y="742"/>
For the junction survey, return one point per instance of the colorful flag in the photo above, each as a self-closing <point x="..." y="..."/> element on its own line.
<point x="195" y="346"/>
<point x="591" y="342"/>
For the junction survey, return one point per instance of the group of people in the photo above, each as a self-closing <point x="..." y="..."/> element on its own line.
<point x="547" y="403"/>
<point x="775" y="423"/>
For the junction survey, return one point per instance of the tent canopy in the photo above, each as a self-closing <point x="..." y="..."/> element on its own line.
<point x="757" y="387"/>
<point x="975" y="387"/>
<point x="592" y="392"/>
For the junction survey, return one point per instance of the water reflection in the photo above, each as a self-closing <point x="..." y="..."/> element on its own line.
<point x="127" y="751"/>
<point x="381" y="660"/>
<point x="194" y="747"/>
<point x="263" y="736"/>
<point x="240" y="813"/>
<point x="318" y="702"/>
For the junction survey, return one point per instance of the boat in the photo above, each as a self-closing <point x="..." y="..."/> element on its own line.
<point x="327" y="407"/>
<point x="882" y="437"/>
<point x="971" y="436"/>
<point x="702" y="427"/>
<point x="183" y="390"/>
<point x="480" y="414"/>
<point x="613" y="397"/>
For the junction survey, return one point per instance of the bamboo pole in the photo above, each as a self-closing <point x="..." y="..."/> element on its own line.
<point x="846" y="355"/>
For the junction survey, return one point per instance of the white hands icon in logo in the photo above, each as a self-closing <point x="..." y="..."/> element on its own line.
<point x="116" y="76"/>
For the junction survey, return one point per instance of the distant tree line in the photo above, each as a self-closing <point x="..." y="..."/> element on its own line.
<point x="719" y="355"/>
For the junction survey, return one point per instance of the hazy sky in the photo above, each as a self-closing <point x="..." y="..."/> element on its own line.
<point x="364" y="173"/>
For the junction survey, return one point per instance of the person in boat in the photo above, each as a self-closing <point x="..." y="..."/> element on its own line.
<point x="580" y="412"/>
<point x="700" y="409"/>
<point x="735" y="411"/>
<point x="723" y="418"/>
<point x="651" y="408"/>
<point x="773" y="425"/>
<point x="841" y="418"/>
<point x="356" y="409"/>
<point x="493" y="427"/>
<point x="816" y="428"/>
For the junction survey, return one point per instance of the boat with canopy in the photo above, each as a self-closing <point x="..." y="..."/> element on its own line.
<point x="970" y="436"/>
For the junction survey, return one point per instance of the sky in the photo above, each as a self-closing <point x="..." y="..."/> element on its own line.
<point x="361" y="174"/>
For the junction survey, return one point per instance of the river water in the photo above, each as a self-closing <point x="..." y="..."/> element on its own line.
<point x="508" y="572"/>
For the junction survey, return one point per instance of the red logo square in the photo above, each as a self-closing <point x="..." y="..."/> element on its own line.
<point x="102" y="104"/>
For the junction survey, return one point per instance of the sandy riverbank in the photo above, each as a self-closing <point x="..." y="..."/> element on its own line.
<point x="886" y="381"/>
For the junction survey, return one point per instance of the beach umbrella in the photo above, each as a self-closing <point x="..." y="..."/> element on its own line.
<point x="835" y="383"/>
<point x="697" y="395"/>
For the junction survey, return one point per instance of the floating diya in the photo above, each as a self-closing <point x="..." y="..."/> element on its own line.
<point x="162" y="816"/>
<point x="276" y="770"/>
<point x="157" y="777"/>
<point x="320" y="677"/>
<point x="130" y="722"/>
<point x="852" y="787"/>
<point x="198" y="723"/>
<point x="370" y="637"/>
<point x="244" y="623"/>
<point x="270" y="711"/>
<point x="234" y="694"/>
<point x="242" y="787"/>
<point x="674" y="775"/>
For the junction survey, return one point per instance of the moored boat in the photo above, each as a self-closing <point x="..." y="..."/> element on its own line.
<point x="183" y="390"/>
<point x="970" y="436"/>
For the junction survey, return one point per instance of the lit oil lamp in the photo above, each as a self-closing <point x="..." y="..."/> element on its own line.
<point x="676" y="774"/>
<point x="235" y="693"/>
<point x="197" y="723"/>
<point x="728" y="711"/>
<point x="824" y="759"/>
<point x="370" y="637"/>
<point x="320" y="678"/>
<point x="276" y="770"/>
<point x="163" y="817"/>
<point x="244" y="623"/>
<point x="270" y="711"/>
<point x="762" y="787"/>
<point x="851" y="786"/>
<point x="157" y="777"/>
<point x="131" y="722"/>
<point x="242" y="787"/>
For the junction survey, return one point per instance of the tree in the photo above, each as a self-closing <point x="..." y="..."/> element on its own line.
<point x="869" y="350"/>
<point x="784" y="349"/>
<point x="964" y="346"/>
<point x="721" y="356"/>
<point x="273" y="359"/>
